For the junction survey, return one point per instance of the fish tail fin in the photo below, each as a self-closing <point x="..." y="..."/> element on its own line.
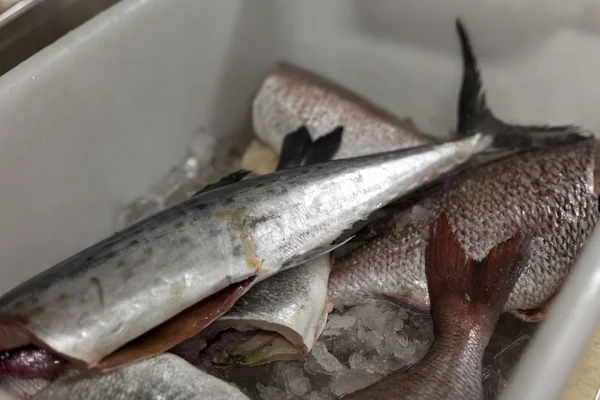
<point x="298" y="148"/>
<point x="472" y="103"/>
<point x="460" y="287"/>
<point x="475" y="115"/>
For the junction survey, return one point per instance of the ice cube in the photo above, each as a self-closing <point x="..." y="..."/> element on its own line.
<point x="299" y="385"/>
<point x="293" y="378"/>
<point x="340" y="322"/>
<point x="191" y="167"/>
<point x="351" y="381"/>
<point x="326" y="360"/>
<point x="336" y="324"/>
<point x="271" y="393"/>
<point x="358" y="361"/>
<point x="403" y="339"/>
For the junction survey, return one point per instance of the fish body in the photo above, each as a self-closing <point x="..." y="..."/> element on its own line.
<point x="467" y="297"/>
<point x="95" y="302"/>
<point x="550" y="194"/>
<point x="291" y="97"/>
<point x="165" y="376"/>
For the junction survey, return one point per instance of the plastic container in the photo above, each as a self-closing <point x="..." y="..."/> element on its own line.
<point x="94" y="119"/>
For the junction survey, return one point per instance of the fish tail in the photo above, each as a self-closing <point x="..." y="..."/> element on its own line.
<point x="465" y="289"/>
<point x="298" y="148"/>
<point x="472" y="103"/>
<point x="475" y="115"/>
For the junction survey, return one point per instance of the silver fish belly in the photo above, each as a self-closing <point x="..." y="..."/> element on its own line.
<point x="93" y="303"/>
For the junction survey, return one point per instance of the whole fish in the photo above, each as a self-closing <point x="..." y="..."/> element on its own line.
<point x="549" y="193"/>
<point x="165" y="376"/>
<point x="165" y="278"/>
<point x="291" y="97"/>
<point x="467" y="298"/>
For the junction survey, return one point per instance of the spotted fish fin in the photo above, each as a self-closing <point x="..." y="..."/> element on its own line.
<point x="475" y="115"/>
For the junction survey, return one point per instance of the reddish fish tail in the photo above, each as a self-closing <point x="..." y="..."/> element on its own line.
<point x="462" y="289"/>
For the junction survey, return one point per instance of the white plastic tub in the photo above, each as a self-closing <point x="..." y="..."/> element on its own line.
<point x="93" y="120"/>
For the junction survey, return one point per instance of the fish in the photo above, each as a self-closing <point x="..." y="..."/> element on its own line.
<point x="164" y="376"/>
<point x="291" y="97"/>
<point x="549" y="192"/>
<point x="165" y="278"/>
<point x="467" y="297"/>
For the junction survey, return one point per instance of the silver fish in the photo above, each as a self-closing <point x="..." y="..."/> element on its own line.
<point x="291" y="97"/>
<point x="156" y="276"/>
<point x="466" y="300"/>
<point x="165" y="376"/>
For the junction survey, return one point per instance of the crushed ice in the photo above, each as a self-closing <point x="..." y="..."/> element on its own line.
<point x="358" y="346"/>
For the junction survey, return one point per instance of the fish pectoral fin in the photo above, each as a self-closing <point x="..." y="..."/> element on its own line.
<point x="475" y="115"/>
<point x="224" y="181"/>
<point x="536" y="314"/>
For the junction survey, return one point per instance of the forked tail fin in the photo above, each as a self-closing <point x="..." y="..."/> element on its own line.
<point x="475" y="115"/>
<point x="477" y="290"/>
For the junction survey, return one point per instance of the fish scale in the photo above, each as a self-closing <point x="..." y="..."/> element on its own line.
<point x="549" y="193"/>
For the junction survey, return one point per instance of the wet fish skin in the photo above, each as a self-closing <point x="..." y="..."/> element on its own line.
<point x="549" y="194"/>
<point x="93" y="303"/>
<point x="467" y="297"/>
<point x="291" y="97"/>
<point x="165" y="376"/>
